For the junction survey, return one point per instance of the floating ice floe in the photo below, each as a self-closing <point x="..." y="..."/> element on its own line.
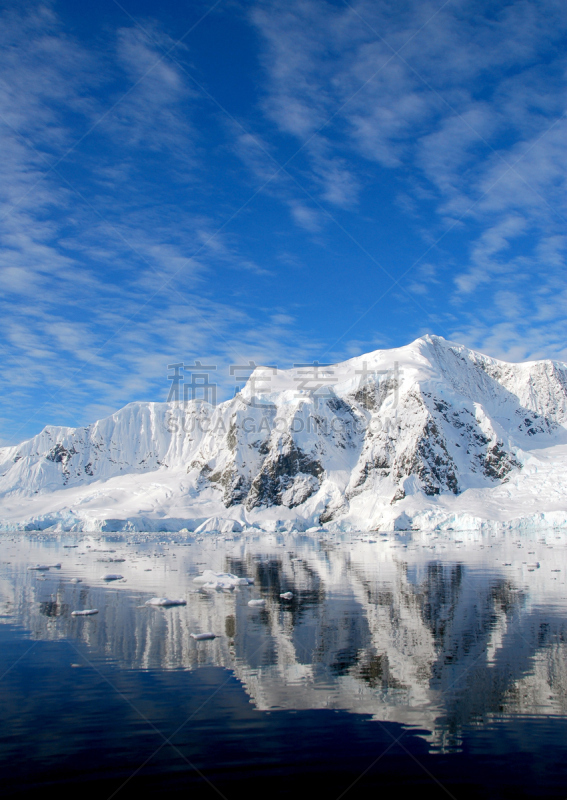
<point x="201" y="637"/>
<point x="111" y="560"/>
<point x="111" y="576"/>
<point x="221" y="580"/>
<point x="44" y="567"/>
<point x="286" y="596"/>
<point x="87" y="612"/>
<point x="165" y="602"/>
<point x="256" y="603"/>
<point x="75" y="580"/>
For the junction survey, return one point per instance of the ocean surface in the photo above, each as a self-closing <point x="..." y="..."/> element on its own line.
<point x="433" y="663"/>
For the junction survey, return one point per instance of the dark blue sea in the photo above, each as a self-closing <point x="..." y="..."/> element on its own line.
<point x="430" y="664"/>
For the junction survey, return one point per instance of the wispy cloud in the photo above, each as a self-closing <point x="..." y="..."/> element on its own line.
<point x="101" y="287"/>
<point x="468" y="111"/>
<point x="432" y="134"/>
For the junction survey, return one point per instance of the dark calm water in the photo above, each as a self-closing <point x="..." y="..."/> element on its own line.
<point x="402" y="663"/>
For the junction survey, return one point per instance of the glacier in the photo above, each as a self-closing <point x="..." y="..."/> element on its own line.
<point x="430" y="436"/>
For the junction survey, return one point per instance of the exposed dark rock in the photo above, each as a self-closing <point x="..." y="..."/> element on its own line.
<point x="399" y="495"/>
<point x="231" y="437"/>
<point x="279" y="473"/>
<point x="371" y="395"/>
<point x="367" y="397"/>
<point x="497" y="463"/>
<point x="333" y="511"/>
<point x="60" y="455"/>
<point x="432" y="462"/>
<point x="236" y="487"/>
<point x="338" y="406"/>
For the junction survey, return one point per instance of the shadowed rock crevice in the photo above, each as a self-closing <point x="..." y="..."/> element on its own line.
<point x="287" y="478"/>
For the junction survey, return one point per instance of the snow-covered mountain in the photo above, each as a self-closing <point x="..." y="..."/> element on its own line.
<point x="428" y="435"/>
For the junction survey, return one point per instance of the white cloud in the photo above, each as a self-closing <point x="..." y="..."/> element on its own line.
<point x="77" y="271"/>
<point x="150" y="114"/>
<point x="307" y="218"/>
<point x="470" y="109"/>
<point x="102" y="289"/>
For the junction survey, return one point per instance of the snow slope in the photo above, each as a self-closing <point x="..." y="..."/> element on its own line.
<point x="431" y="435"/>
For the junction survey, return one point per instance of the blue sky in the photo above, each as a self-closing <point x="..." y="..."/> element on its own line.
<point x="275" y="181"/>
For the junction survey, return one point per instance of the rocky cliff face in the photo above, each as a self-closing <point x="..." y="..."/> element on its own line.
<point x="429" y="420"/>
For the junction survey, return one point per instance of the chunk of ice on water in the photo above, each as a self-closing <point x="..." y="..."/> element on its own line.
<point x="256" y="603"/>
<point x="87" y="612"/>
<point x="201" y="637"/>
<point x="286" y="596"/>
<point x="111" y="576"/>
<point x="218" y="586"/>
<point x="75" y="580"/>
<point x="221" y="580"/>
<point x="165" y="602"/>
<point x="111" y="560"/>
<point x="40" y="568"/>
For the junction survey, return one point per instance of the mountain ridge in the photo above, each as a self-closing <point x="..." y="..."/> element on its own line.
<point x="431" y="434"/>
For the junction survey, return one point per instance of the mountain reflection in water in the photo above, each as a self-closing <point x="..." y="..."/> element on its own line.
<point x="411" y="628"/>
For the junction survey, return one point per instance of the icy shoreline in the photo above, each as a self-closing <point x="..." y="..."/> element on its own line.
<point x="425" y="521"/>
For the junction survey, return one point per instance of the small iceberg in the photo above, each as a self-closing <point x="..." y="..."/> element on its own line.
<point x="218" y="586"/>
<point x="256" y="603"/>
<point x="201" y="637"/>
<point x="111" y="576"/>
<point x="165" y="602"/>
<point x="88" y="612"/>
<point x="40" y="568"/>
<point x="286" y="596"/>
<point x="221" y="580"/>
<point x="111" y="560"/>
